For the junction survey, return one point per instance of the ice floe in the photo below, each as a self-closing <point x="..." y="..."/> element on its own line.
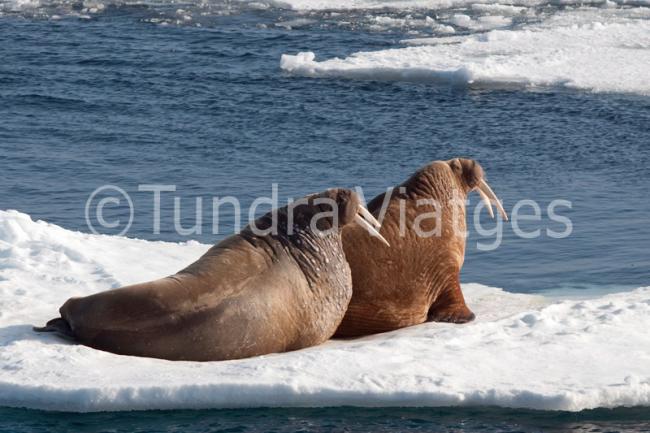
<point x="522" y="351"/>
<point x="593" y="49"/>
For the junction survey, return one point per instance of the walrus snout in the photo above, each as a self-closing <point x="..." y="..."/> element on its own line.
<point x="468" y="170"/>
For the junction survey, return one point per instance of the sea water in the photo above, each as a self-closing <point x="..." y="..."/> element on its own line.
<point x="199" y="95"/>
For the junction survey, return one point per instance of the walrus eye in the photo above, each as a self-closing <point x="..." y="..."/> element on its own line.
<point x="367" y="221"/>
<point x="487" y="195"/>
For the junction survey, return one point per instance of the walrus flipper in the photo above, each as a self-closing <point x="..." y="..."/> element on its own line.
<point x="59" y="325"/>
<point x="450" y="307"/>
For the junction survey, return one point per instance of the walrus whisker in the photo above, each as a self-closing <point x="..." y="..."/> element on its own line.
<point x="486" y="201"/>
<point x="366" y="225"/>
<point x="483" y="185"/>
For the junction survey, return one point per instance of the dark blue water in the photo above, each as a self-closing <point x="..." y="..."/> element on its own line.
<point x="331" y="420"/>
<point x="118" y="99"/>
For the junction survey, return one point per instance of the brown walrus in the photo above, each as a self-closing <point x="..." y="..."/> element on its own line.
<point x="418" y="278"/>
<point x="251" y="294"/>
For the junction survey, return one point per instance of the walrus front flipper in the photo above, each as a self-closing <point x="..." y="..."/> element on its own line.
<point x="59" y="326"/>
<point x="450" y="307"/>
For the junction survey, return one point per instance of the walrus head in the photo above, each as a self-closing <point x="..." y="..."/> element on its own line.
<point x="470" y="177"/>
<point x="334" y="209"/>
<point x="444" y="180"/>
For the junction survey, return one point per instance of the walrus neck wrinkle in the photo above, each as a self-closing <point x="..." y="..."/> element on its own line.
<point x="307" y="249"/>
<point x="445" y="191"/>
<point x="428" y="185"/>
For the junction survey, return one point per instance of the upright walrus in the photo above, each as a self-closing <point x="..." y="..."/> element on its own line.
<point x="418" y="278"/>
<point x="280" y="284"/>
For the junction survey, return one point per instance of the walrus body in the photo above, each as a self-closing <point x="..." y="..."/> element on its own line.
<point x="249" y="295"/>
<point x="418" y="278"/>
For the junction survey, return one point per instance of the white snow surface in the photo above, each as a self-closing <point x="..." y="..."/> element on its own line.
<point x="522" y="351"/>
<point x="597" y="49"/>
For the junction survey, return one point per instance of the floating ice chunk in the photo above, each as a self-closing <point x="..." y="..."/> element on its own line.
<point x="382" y="23"/>
<point x="300" y="61"/>
<point x="355" y="67"/>
<point x="600" y="50"/>
<point x="522" y="351"/>
<point x="493" y="22"/>
<point x="461" y="20"/>
<point x="258" y="5"/>
<point x="434" y="41"/>
<point x="298" y="22"/>
<point x="501" y="9"/>
<point x="481" y="23"/>
<point x="445" y="29"/>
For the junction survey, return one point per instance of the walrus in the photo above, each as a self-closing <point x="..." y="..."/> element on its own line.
<point x="257" y="292"/>
<point x="418" y="278"/>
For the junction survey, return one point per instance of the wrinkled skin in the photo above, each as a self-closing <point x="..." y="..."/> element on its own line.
<point x="417" y="279"/>
<point x="248" y="295"/>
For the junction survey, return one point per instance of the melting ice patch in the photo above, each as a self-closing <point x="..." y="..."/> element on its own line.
<point x="593" y="49"/>
<point x="522" y="351"/>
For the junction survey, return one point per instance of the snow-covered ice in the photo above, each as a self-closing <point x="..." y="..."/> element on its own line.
<point x="522" y="351"/>
<point x="596" y="49"/>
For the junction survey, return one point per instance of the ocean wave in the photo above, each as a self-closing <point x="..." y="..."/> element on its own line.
<point x="523" y="350"/>
<point x="588" y="48"/>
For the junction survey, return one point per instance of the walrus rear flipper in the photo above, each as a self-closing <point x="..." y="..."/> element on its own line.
<point x="58" y="325"/>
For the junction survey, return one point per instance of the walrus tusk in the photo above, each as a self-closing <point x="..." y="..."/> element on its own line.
<point x="486" y="200"/>
<point x="365" y="214"/>
<point x="366" y="225"/>
<point x="483" y="186"/>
